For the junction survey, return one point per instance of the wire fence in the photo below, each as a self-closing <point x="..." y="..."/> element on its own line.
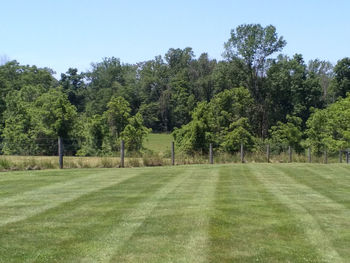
<point x="62" y="153"/>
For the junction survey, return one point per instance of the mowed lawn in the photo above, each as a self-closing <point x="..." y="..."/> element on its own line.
<point x="218" y="213"/>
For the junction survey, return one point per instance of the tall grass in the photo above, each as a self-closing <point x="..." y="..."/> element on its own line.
<point x="9" y="163"/>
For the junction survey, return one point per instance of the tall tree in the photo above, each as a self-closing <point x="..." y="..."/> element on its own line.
<point x="108" y="79"/>
<point x="117" y="115"/>
<point x="73" y="84"/>
<point x="323" y="71"/>
<point x="53" y="114"/>
<point x="341" y="83"/>
<point x="254" y="44"/>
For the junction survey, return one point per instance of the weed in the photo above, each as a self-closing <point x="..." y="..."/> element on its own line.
<point x="133" y="162"/>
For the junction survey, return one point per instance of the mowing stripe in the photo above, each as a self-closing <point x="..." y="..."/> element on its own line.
<point x="331" y="172"/>
<point x="303" y="202"/>
<point x="325" y="180"/>
<point x="107" y="246"/>
<point x="310" y="195"/>
<point x="16" y="208"/>
<point x="13" y="184"/>
<point x="80" y="221"/>
<point x="188" y="206"/>
<point x="197" y="245"/>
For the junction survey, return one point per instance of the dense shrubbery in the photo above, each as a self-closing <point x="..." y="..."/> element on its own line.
<point x="329" y="129"/>
<point x="222" y="121"/>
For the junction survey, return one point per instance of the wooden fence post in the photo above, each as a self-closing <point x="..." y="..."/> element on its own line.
<point x="242" y="153"/>
<point x="60" y="152"/>
<point x="122" y="153"/>
<point x="347" y="156"/>
<point x="268" y="153"/>
<point x="211" y="159"/>
<point x="309" y="154"/>
<point x="290" y="154"/>
<point x="340" y="156"/>
<point x="172" y="153"/>
<point x="325" y="157"/>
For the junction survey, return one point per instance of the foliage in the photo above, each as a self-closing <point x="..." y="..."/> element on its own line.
<point x="247" y="96"/>
<point x="218" y="122"/>
<point x="239" y="133"/>
<point x="103" y="133"/>
<point x="52" y="114"/>
<point x="329" y="129"/>
<point x="341" y="81"/>
<point x="134" y="133"/>
<point x="73" y="84"/>
<point x="254" y="44"/>
<point x="117" y="115"/>
<point x="287" y="134"/>
<point x="93" y="134"/>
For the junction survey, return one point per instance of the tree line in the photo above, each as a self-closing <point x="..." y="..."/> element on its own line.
<point x="254" y="95"/>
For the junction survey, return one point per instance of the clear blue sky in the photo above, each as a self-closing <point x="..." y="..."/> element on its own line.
<point x="73" y="33"/>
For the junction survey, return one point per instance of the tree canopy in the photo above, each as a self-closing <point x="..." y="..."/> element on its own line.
<point x="254" y="94"/>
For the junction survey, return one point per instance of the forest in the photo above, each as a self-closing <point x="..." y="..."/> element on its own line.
<point x="254" y="95"/>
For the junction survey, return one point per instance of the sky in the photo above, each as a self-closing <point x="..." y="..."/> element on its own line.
<point x="74" y="33"/>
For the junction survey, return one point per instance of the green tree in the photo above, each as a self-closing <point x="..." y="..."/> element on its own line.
<point x="341" y="82"/>
<point x="14" y="77"/>
<point x="201" y="75"/>
<point x="93" y="133"/>
<point x="73" y="84"/>
<point x="227" y="113"/>
<point x="330" y="128"/>
<point x="117" y="115"/>
<point x="134" y="133"/>
<point x="287" y="134"/>
<point x="53" y="114"/>
<point x="110" y="78"/>
<point x="291" y="89"/>
<point x="238" y="133"/>
<point x="150" y="115"/>
<point x="254" y="44"/>
<point x="18" y="133"/>
<point x="323" y="71"/>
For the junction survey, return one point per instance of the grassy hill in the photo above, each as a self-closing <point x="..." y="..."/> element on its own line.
<point x="158" y="142"/>
<point x="218" y="213"/>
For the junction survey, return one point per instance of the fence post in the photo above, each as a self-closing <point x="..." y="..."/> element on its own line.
<point x="211" y="159"/>
<point x="290" y="153"/>
<point x="242" y="153"/>
<point x="309" y="154"/>
<point x="340" y="156"/>
<point x="60" y="152"/>
<point x="347" y="156"/>
<point x="325" y="157"/>
<point x="268" y="153"/>
<point x="172" y="153"/>
<point x="122" y="153"/>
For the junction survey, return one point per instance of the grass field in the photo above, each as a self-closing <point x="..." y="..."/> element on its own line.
<point x="158" y="142"/>
<point x="219" y="213"/>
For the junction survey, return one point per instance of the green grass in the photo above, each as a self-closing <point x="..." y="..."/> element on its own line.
<point x="198" y="213"/>
<point x="158" y="142"/>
